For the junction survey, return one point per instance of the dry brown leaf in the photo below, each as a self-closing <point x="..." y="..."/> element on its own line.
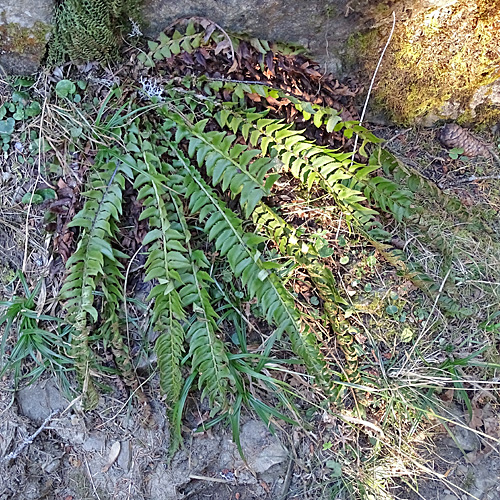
<point x="447" y="395"/>
<point x="113" y="455"/>
<point x="222" y="45"/>
<point x="476" y="420"/>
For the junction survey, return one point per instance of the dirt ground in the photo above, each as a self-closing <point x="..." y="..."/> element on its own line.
<point x="106" y="454"/>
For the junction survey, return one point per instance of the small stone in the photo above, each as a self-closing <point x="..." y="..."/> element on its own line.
<point x="40" y="399"/>
<point x="125" y="456"/>
<point x="464" y="439"/>
<point x="261" y="449"/>
<point x="95" y="442"/>
<point x="52" y="466"/>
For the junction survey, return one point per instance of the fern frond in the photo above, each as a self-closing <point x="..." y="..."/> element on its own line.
<point x="348" y="181"/>
<point x="224" y="228"/>
<point x="85" y="267"/>
<point x="166" y="46"/>
<point x="227" y="162"/>
<point x="207" y="352"/>
<point x="165" y="263"/>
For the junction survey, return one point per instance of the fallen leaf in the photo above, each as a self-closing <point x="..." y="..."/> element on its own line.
<point x="113" y="455"/>
<point x="447" y="395"/>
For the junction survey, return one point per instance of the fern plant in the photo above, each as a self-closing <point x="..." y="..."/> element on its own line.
<point x="202" y="169"/>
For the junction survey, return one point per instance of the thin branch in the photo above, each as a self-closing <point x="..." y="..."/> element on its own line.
<point x="373" y="82"/>
<point x="27" y="441"/>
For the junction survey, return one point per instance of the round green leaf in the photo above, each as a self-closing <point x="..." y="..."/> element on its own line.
<point x="76" y="132"/>
<point x="335" y="466"/>
<point x="344" y="260"/>
<point x="391" y="310"/>
<point x="64" y="88"/>
<point x="33" y="109"/>
<point x="46" y="194"/>
<point x="36" y="200"/>
<point x="7" y="126"/>
<point x="407" y="334"/>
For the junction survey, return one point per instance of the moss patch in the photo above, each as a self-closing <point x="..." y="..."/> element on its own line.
<point x="437" y="57"/>
<point x="23" y="40"/>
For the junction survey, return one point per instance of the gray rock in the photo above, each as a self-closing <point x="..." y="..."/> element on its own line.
<point x="486" y="476"/>
<point x="26" y="13"/>
<point x="261" y="449"/>
<point x="125" y="457"/>
<point x="464" y="439"/>
<point x="24" y="31"/>
<point x="95" y="442"/>
<point x="314" y="24"/>
<point x="40" y="399"/>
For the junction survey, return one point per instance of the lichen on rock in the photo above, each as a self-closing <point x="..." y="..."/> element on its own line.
<point x="22" y="47"/>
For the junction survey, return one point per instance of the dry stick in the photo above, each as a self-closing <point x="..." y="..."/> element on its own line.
<point x="473" y="178"/>
<point x="27" y="441"/>
<point x="91" y="478"/>
<point x="208" y="478"/>
<point x="373" y="82"/>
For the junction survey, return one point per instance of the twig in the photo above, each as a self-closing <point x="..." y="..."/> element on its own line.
<point x="360" y="421"/>
<point x="373" y="82"/>
<point x="30" y="439"/>
<point x="473" y="178"/>
<point x="207" y="478"/>
<point x="27" y="441"/>
<point x="288" y="479"/>
<point x="402" y="132"/>
<point x="91" y="479"/>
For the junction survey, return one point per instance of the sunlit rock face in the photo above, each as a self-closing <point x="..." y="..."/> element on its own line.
<point x="439" y="64"/>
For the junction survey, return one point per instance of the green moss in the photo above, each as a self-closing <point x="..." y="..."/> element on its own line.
<point x="358" y="47"/>
<point x="483" y="116"/>
<point x="435" y="58"/>
<point x="23" y="40"/>
<point x="7" y="275"/>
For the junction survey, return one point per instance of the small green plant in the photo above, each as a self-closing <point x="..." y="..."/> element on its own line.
<point x="18" y="108"/>
<point x="65" y="88"/>
<point x="45" y="349"/>
<point x="455" y="153"/>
